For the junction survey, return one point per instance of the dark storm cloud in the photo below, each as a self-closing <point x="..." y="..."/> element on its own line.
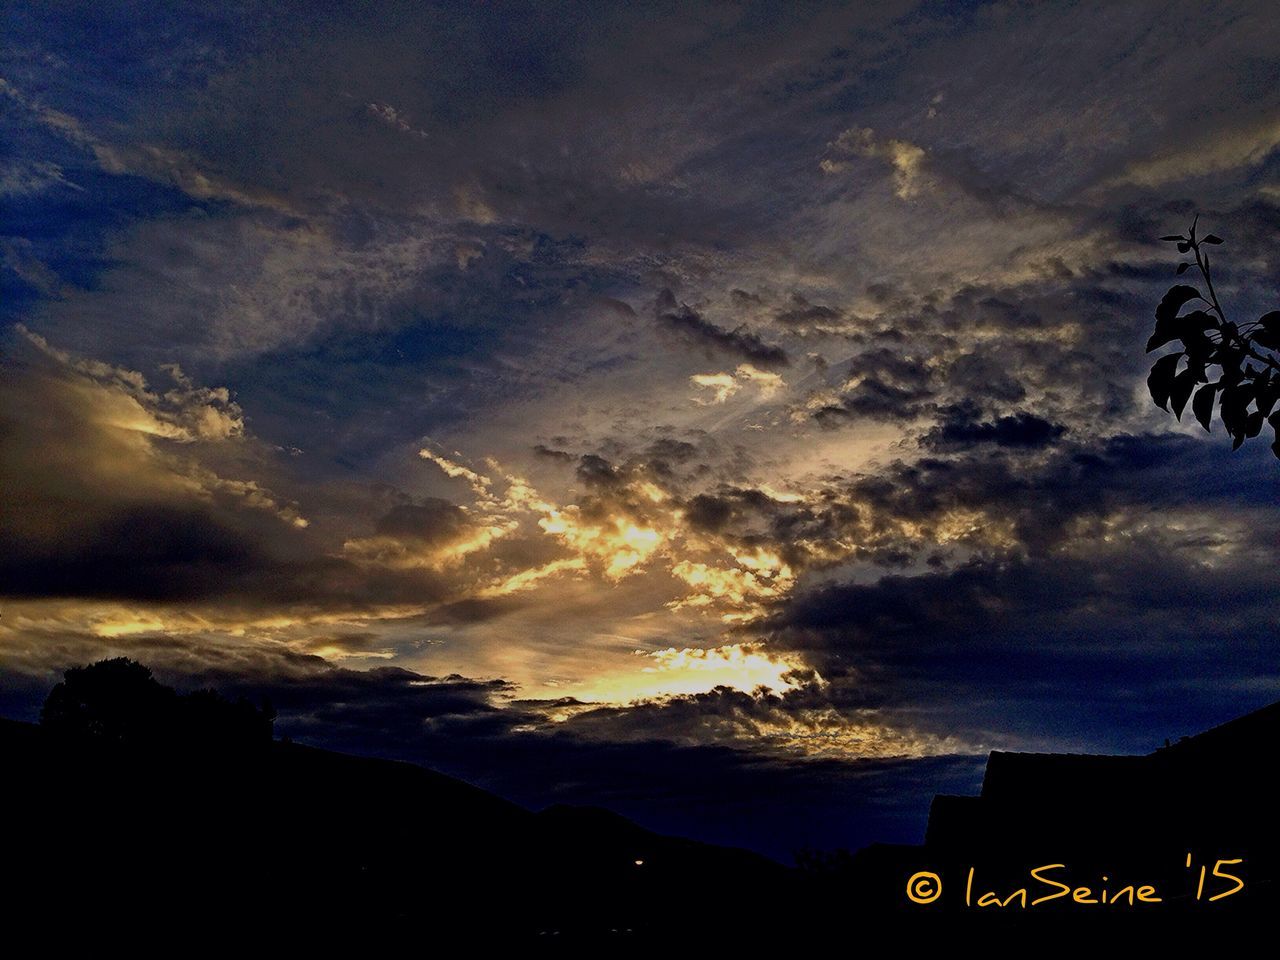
<point x="1042" y="502"/>
<point x="961" y="426"/>
<point x="154" y="552"/>
<point x="596" y="471"/>
<point x="874" y="399"/>
<point x="666" y="454"/>
<point x="672" y="450"/>
<point x="99" y="516"/>
<point x="708" y="512"/>
<point x="550" y="453"/>
<point x="430" y="520"/>
<point x="1135" y="563"/>
<point x="880" y="384"/>
<point x="120" y="496"/>
<point x="816" y="717"/>
<point x="743" y="507"/>
<point x="801" y="313"/>
<point x="660" y="454"/>
<point x="1053" y="643"/>
<point x="1061" y="338"/>
<point x="1052" y="349"/>
<point x="738" y="343"/>
<point x="388" y="701"/>
<point x="985" y="372"/>
<point x="1017" y="489"/>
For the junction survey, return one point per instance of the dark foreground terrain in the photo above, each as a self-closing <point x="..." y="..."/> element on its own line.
<point x="285" y="835"/>
<point x="181" y="838"/>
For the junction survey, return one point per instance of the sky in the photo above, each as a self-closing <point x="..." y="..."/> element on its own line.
<point x="733" y="415"/>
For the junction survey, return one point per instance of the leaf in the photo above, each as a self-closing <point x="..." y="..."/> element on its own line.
<point x="1253" y="425"/>
<point x="1212" y="238"/>
<point x="1229" y="358"/>
<point x="1171" y="237"/>
<point x="1234" y="406"/>
<point x="1230" y="414"/>
<point x="1268" y="394"/>
<point x="1182" y="268"/>
<point x="1237" y="441"/>
<point x="1160" y="380"/>
<point x="1202" y="405"/>
<point x="1268" y="391"/>
<point x="1161" y="336"/>
<point x="1199" y="350"/>
<point x="1188" y="329"/>
<point x="1197" y="320"/>
<point x="1184" y="247"/>
<point x="1180" y="392"/>
<point x="1265" y="338"/>
<point x="1175" y="299"/>
<point x="1270" y="321"/>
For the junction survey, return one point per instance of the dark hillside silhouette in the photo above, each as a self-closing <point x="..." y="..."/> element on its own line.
<point x="133" y="808"/>
<point x="141" y="805"/>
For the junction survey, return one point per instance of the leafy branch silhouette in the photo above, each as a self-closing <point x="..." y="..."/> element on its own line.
<point x="1246" y="393"/>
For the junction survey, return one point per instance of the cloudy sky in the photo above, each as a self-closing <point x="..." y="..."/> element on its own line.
<point x="730" y="414"/>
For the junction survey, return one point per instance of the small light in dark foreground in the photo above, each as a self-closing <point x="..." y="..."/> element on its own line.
<point x="639" y="863"/>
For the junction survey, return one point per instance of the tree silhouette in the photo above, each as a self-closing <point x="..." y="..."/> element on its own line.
<point x="114" y="700"/>
<point x="119" y="701"/>
<point x="1247" y="356"/>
